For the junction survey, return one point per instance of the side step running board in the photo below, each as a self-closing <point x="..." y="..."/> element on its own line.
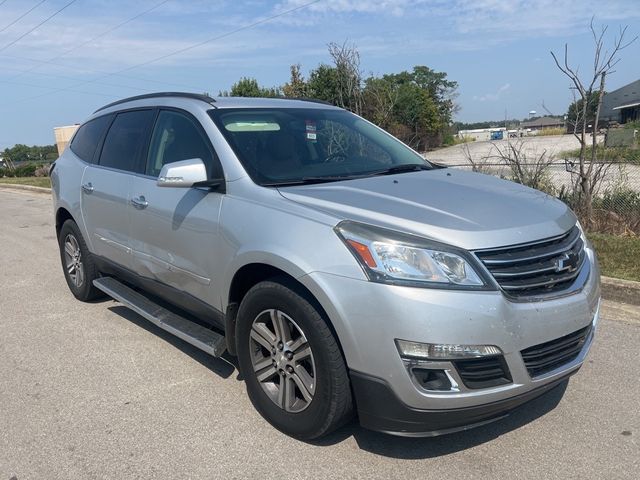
<point x="197" y="335"/>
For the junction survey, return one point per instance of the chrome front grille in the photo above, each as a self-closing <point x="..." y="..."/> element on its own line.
<point x="538" y="268"/>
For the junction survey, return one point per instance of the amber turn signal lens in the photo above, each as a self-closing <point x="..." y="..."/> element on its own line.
<point x="363" y="252"/>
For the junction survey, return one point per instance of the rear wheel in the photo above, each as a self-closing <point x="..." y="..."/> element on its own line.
<point x="295" y="374"/>
<point x="77" y="263"/>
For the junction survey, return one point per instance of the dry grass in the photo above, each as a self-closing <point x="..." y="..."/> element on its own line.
<point x="32" y="181"/>
<point x="552" y="131"/>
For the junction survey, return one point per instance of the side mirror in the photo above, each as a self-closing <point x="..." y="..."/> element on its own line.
<point x="183" y="174"/>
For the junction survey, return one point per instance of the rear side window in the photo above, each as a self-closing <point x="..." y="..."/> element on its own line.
<point x="88" y="136"/>
<point x="125" y="145"/>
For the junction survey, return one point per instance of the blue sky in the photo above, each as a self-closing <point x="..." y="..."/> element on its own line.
<point x="498" y="51"/>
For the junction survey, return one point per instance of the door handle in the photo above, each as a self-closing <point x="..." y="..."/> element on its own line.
<point x="87" y="187"/>
<point x="139" y="202"/>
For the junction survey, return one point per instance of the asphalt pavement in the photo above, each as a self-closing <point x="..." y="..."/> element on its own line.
<point x="94" y="391"/>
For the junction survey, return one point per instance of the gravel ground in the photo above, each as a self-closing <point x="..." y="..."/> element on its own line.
<point x="94" y="391"/>
<point x="552" y="144"/>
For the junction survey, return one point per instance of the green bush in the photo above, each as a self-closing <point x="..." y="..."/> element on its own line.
<point x="26" y="170"/>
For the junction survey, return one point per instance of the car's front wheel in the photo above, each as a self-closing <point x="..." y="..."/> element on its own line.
<point x="294" y="371"/>
<point x="77" y="263"/>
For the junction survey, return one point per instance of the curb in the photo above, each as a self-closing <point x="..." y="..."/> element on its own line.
<point x="623" y="291"/>
<point x="29" y="188"/>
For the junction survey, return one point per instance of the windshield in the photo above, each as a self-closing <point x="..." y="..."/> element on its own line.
<point x="282" y="146"/>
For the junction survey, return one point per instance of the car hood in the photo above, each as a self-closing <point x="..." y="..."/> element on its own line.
<point x="466" y="209"/>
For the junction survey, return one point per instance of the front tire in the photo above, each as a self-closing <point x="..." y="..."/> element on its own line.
<point x="292" y="365"/>
<point x="77" y="263"/>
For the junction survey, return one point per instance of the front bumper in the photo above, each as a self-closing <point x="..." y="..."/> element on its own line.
<point x="379" y="409"/>
<point x="368" y="317"/>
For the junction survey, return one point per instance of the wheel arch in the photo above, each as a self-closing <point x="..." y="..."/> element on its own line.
<point x="251" y="274"/>
<point x="62" y="215"/>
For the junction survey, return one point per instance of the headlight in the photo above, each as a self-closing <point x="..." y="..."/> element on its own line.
<point x="583" y="235"/>
<point x="396" y="258"/>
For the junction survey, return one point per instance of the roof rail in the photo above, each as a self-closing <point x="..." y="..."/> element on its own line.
<point x="196" y="96"/>
<point x="305" y="99"/>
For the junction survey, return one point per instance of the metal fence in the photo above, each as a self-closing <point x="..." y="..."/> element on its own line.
<point x="616" y="205"/>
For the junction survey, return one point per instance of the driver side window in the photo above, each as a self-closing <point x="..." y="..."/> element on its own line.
<point x="175" y="138"/>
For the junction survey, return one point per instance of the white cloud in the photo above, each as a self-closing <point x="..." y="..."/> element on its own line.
<point x="394" y="7"/>
<point x="493" y="97"/>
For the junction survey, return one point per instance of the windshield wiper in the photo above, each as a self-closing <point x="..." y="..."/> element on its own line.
<point x="410" y="167"/>
<point x="311" y="180"/>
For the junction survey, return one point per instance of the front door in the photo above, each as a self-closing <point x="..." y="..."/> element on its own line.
<point x="174" y="230"/>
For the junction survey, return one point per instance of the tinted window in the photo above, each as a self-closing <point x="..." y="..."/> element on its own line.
<point x="88" y="136"/>
<point x="126" y="143"/>
<point x="177" y="137"/>
<point x="299" y="145"/>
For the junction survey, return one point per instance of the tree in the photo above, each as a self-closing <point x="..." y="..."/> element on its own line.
<point x="297" y="86"/>
<point x="415" y="106"/>
<point x="380" y="98"/>
<point x="346" y="60"/>
<point x="323" y="83"/>
<point x="576" y="108"/>
<point x="20" y="153"/>
<point x="249" y="87"/>
<point x="590" y="172"/>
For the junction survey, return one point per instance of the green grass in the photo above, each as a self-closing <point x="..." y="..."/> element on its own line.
<point x="618" y="256"/>
<point x="33" y="181"/>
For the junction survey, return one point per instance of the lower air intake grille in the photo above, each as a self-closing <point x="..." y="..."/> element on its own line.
<point x="538" y="268"/>
<point x="543" y="358"/>
<point x="483" y="372"/>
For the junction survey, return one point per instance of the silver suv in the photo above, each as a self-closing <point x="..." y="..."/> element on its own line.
<point x="346" y="273"/>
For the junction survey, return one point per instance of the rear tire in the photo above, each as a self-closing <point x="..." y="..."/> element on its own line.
<point x="292" y="365"/>
<point x="77" y="263"/>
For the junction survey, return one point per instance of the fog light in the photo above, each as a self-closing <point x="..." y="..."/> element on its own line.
<point x="443" y="351"/>
<point x="431" y="379"/>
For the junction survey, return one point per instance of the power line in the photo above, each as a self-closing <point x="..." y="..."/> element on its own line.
<point x="38" y="25"/>
<point x="176" y="52"/>
<point x="93" y="39"/>
<point x="23" y="15"/>
<point x="88" y="70"/>
<point x="66" y="77"/>
<point x="3" y="2"/>
<point x="219" y="37"/>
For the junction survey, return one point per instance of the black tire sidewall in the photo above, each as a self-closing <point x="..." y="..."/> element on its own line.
<point x="86" y="291"/>
<point x="312" y="421"/>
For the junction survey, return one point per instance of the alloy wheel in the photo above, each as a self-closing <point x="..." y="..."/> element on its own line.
<point x="282" y="360"/>
<point x="73" y="260"/>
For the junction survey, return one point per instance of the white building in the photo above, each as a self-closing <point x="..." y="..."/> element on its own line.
<point x="484" y="134"/>
<point x="63" y="135"/>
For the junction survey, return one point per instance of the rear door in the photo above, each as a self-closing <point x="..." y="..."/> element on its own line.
<point x="106" y="185"/>
<point x="174" y="231"/>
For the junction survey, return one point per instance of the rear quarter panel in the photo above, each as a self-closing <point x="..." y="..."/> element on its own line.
<point x="66" y="179"/>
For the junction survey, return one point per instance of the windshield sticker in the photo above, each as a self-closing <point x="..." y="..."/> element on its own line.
<point x="311" y="130"/>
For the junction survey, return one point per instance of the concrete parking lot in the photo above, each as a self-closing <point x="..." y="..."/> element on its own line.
<point x="94" y="391"/>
